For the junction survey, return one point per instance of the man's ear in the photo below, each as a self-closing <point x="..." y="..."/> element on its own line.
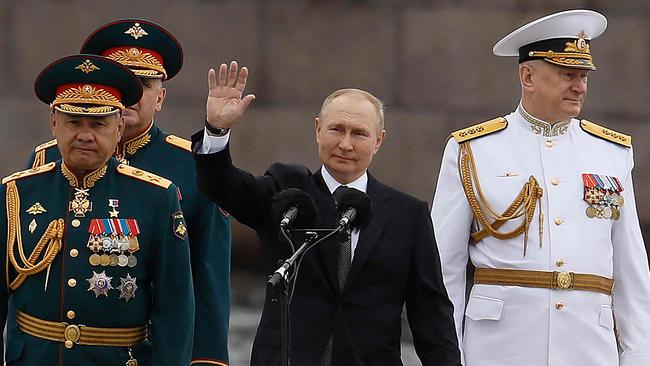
<point x="52" y="120"/>
<point x="120" y="126"/>
<point x="317" y="127"/>
<point x="380" y="140"/>
<point x="526" y="74"/>
<point x="160" y="98"/>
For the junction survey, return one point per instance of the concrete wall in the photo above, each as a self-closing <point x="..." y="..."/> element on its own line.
<point x="431" y="62"/>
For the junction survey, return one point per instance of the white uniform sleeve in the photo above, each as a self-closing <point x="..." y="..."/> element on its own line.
<point x="212" y="144"/>
<point x="452" y="221"/>
<point x="632" y="280"/>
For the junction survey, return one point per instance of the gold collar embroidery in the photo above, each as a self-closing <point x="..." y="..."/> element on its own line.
<point x="544" y="128"/>
<point x="132" y="146"/>
<point x="88" y="180"/>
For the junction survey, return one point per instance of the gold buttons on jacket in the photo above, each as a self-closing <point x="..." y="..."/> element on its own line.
<point x="76" y="223"/>
<point x="555" y="181"/>
<point x="71" y="314"/>
<point x="549" y="143"/>
<point x="72" y="282"/>
<point x="559" y="262"/>
<point x="74" y="253"/>
<point x="559" y="305"/>
<point x="558" y="221"/>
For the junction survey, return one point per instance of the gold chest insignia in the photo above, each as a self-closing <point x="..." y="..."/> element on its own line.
<point x="36" y="209"/>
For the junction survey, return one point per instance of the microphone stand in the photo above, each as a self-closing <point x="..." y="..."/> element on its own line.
<point x="280" y="282"/>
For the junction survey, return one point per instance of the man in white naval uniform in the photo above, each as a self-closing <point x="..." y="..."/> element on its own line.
<point x="543" y="205"/>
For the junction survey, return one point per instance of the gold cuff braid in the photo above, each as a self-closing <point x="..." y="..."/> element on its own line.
<point x="523" y="205"/>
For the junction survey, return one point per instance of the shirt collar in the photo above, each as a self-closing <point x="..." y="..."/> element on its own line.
<point x="360" y="183"/>
<point x="541" y="127"/>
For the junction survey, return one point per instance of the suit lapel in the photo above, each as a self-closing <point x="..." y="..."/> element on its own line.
<point x="369" y="237"/>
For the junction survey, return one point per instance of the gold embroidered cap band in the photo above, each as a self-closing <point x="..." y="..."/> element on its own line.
<point x="561" y="39"/>
<point x="543" y="279"/>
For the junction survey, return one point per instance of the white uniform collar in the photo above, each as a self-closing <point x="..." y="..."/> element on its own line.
<point x="360" y="183"/>
<point x="540" y="127"/>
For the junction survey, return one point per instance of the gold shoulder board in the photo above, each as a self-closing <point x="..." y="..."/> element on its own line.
<point x="480" y="129"/>
<point x="29" y="172"/>
<point x="45" y="145"/>
<point x="606" y="133"/>
<point x="143" y="175"/>
<point x="179" y="142"/>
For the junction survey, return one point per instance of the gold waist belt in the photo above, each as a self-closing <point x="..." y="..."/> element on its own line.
<point x="542" y="279"/>
<point x="71" y="334"/>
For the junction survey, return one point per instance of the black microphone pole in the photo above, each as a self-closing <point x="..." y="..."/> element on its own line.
<point x="281" y="277"/>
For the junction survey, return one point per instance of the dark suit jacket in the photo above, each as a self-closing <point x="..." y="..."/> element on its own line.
<point x="395" y="263"/>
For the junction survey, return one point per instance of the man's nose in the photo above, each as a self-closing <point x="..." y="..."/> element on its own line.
<point x="346" y="143"/>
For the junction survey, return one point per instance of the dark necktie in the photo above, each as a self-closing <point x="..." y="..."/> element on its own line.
<point x="343" y="264"/>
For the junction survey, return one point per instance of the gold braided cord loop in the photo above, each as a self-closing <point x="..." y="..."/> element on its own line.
<point x="51" y="241"/>
<point x="523" y="205"/>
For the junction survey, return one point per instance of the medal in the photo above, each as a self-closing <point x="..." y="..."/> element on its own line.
<point x="114" y="261"/>
<point x="132" y="261"/>
<point x="94" y="259"/>
<point x="127" y="287"/>
<point x="602" y="193"/>
<point x="122" y="260"/>
<point x="591" y="212"/>
<point x="104" y="260"/>
<point x="80" y="204"/>
<point x="100" y="284"/>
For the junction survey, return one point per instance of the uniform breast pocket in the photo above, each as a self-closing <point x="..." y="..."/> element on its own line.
<point x="484" y="308"/>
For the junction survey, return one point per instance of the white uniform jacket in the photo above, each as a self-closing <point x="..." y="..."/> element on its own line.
<point x="520" y="326"/>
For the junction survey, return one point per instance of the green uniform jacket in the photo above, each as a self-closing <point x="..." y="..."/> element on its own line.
<point x="164" y="295"/>
<point x="209" y="233"/>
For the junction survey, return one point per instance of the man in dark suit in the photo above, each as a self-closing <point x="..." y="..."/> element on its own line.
<point x="394" y="261"/>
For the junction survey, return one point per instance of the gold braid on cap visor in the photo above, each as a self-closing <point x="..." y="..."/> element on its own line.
<point x="73" y="99"/>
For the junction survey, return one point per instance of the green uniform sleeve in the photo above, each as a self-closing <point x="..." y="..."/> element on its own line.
<point x="172" y="313"/>
<point x="209" y="234"/>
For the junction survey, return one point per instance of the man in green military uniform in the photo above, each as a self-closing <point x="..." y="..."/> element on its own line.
<point x="154" y="55"/>
<point x="97" y="268"/>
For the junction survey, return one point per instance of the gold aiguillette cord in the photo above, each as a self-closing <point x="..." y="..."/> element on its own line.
<point x="51" y="241"/>
<point x="523" y="205"/>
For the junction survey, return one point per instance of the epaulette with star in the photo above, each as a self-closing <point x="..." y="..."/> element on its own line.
<point x="39" y="152"/>
<point x="606" y="134"/>
<point x="29" y="172"/>
<point x="480" y="129"/>
<point x="179" y="142"/>
<point x="143" y="175"/>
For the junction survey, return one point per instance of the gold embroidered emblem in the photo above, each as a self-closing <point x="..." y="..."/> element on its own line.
<point x="181" y="230"/>
<point x="579" y="45"/>
<point x="87" y="94"/>
<point x="136" y="31"/>
<point x="87" y="67"/>
<point x="480" y="129"/>
<point x="134" y="57"/>
<point x="36" y="209"/>
<point x="133" y="146"/>
<point x="32" y="226"/>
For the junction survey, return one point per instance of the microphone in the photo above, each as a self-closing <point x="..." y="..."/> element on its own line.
<point x="354" y="207"/>
<point x="294" y="207"/>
